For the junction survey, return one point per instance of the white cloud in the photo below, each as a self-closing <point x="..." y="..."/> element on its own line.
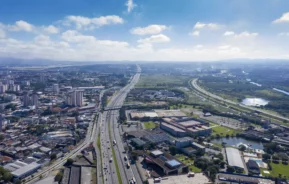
<point x="199" y="46"/>
<point x="2" y="34"/>
<point x="155" y="39"/>
<point x="242" y="34"/>
<point x="284" y="34"/>
<point x="72" y="36"/>
<point x="91" y="23"/>
<point x="195" y="33"/>
<point x="21" y="26"/>
<point x="229" y="33"/>
<point x="76" y="37"/>
<point x="223" y="47"/>
<point x="200" y="25"/>
<point x="42" y="40"/>
<point x="130" y="5"/>
<point x="50" y="29"/>
<point x="283" y="18"/>
<point x="149" y="30"/>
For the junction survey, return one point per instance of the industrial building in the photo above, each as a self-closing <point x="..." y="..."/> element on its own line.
<point x="234" y="158"/>
<point x="156" y="114"/>
<point x="181" y="127"/>
<point x="21" y="169"/>
<point x="164" y="163"/>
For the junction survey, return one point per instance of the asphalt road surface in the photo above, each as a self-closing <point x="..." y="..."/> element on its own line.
<point x="109" y="132"/>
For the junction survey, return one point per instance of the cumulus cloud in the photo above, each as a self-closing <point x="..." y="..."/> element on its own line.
<point x="72" y="36"/>
<point x="21" y="26"/>
<point x="149" y="30"/>
<point x="229" y="33"/>
<point x="50" y="29"/>
<point x="91" y="23"/>
<point x="155" y="39"/>
<point x="200" y="25"/>
<point x="242" y="34"/>
<point x="195" y="33"/>
<point x="283" y="18"/>
<point x="130" y="5"/>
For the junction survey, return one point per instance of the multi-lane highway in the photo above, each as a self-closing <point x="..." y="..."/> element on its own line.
<point x="201" y="90"/>
<point x="109" y="133"/>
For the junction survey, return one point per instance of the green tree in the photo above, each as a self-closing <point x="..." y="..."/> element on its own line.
<point x="242" y="148"/>
<point x="230" y="169"/>
<point x="173" y="150"/>
<point x="266" y="156"/>
<point x="53" y="156"/>
<point x="2" y="137"/>
<point x="69" y="161"/>
<point x="7" y="176"/>
<point x="58" y="177"/>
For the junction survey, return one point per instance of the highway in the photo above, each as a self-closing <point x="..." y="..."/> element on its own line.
<point x="109" y="132"/>
<point x="102" y="127"/>
<point x="201" y="90"/>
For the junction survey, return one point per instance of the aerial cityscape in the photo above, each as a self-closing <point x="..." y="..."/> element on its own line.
<point x="144" y="92"/>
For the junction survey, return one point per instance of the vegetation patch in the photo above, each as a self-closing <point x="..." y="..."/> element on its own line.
<point x="188" y="161"/>
<point x="149" y="125"/>
<point x="223" y="131"/>
<point x="277" y="170"/>
<point x="161" y="81"/>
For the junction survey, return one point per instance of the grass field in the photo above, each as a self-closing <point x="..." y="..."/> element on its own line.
<point x="161" y="81"/>
<point x="223" y="131"/>
<point x="189" y="162"/>
<point x="277" y="169"/>
<point x="149" y="125"/>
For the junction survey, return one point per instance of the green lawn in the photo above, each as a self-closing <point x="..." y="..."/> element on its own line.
<point x="223" y="131"/>
<point x="277" y="169"/>
<point x="149" y="125"/>
<point x="161" y="81"/>
<point x="189" y="162"/>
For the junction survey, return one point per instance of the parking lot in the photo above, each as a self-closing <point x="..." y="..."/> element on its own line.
<point x="199" y="178"/>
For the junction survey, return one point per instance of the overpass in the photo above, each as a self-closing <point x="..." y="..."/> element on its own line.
<point x="112" y="108"/>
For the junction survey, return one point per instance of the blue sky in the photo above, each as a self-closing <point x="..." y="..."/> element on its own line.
<point x="154" y="30"/>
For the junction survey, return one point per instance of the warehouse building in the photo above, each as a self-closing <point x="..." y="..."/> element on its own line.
<point x="234" y="158"/>
<point x="181" y="127"/>
<point x="174" y="130"/>
<point x="164" y="163"/>
<point x="20" y="170"/>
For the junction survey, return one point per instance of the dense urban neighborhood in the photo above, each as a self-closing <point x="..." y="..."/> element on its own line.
<point x="126" y="123"/>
